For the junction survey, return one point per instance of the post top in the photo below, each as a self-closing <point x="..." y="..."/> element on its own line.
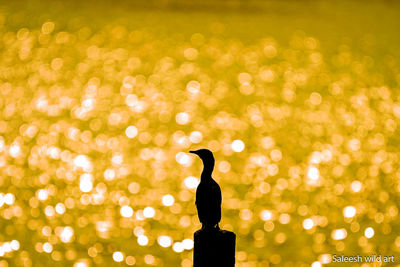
<point x="217" y="232"/>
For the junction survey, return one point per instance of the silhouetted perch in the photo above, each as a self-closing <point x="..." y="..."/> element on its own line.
<point x="214" y="248"/>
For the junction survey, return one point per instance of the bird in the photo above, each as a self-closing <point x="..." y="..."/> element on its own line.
<point x="208" y="193"/>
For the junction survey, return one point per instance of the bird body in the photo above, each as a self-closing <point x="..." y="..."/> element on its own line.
<point x="208" y="193"/>
<point x="208" y="202"/>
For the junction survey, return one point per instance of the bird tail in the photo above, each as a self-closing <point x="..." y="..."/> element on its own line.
<point x="210" y="226"/>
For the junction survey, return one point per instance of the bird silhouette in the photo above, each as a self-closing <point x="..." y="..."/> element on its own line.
<point x="208" y="193"/>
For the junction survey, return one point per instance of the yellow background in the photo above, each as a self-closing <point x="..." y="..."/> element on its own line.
<point x="100" y="102"/>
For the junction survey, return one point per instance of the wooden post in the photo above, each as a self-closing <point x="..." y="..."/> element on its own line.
<point x="214" y="248"/>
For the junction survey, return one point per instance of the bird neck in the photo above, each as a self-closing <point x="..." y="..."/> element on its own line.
<point x="207" y="171"/>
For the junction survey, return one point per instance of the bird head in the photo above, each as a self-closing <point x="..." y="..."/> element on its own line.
<point x="205" y="155"/>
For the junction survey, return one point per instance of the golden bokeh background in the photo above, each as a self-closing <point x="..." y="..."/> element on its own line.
<point x="100" y="102"/>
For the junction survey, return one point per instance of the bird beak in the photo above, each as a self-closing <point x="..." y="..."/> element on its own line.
<point x="193" y="152"/>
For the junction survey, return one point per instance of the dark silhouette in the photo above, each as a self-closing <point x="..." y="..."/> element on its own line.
<point x="208" y="193"/>
<point x="212" y="247"/>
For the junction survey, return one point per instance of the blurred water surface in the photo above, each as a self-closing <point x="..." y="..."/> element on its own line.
<point x="100" y="102"/>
